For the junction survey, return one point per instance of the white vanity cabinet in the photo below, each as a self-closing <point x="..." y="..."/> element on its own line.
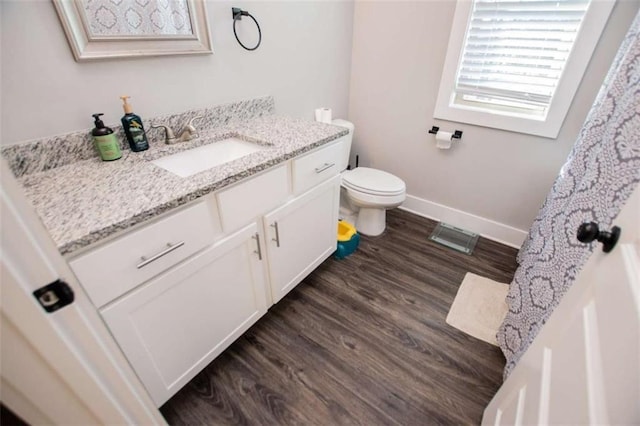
<point x="246" y="201"/>
<point x="178" y="291"/>
<point x="176" y="324"/>
<point x="300" y="235"/>
<point x="301" y="232"/>
<point x="113" y="268"/>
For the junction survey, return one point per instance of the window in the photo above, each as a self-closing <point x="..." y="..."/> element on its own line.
<point x="516" y="64"/>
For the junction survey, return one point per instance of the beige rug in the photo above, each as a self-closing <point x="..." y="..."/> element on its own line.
<point x="479" y="307"/>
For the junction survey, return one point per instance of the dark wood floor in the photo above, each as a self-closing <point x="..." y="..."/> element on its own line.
<point x="9" y="418"/>
<point x="362" y="340"/>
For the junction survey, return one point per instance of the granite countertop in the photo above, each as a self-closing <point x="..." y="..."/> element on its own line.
<point x="84" y="202"/>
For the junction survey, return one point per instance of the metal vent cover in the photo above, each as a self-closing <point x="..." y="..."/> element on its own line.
<point x="454" y="238"/>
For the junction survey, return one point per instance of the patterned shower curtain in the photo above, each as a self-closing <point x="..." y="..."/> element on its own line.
<point x="601" y="172"/>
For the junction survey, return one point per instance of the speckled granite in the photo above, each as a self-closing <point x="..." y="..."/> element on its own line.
<point x="48" y="153"/>
<point x="86" y="201"/>
<point x="213" y="117"/>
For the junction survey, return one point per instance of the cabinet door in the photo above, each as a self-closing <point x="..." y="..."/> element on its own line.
<point x="300" y="235"/>
<point x="173" y="326"/>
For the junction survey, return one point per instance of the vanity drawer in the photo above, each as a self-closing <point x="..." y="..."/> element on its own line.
<point x="117" y="267"/>
<point x="242" y="203"/>
<point x="317" y="167"/>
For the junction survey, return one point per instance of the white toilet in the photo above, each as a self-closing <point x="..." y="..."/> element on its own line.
<point x="367" y="193"/>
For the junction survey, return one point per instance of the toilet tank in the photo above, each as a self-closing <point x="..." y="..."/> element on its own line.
<point x="344" y="159"/>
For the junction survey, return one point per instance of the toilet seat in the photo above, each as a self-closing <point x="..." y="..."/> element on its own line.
<point x="373" y="182"/>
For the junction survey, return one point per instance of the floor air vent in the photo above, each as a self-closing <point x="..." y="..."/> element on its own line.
<point x="455" y="238"/>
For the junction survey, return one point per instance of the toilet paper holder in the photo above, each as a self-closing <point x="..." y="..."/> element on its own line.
<point x="457" y="134"/>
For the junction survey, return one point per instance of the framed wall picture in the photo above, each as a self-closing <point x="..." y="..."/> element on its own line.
<point x="101" y="29"/>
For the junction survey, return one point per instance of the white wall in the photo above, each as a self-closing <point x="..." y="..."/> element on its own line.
<point x="303" y="62"/>
<point x="398" y="55"/>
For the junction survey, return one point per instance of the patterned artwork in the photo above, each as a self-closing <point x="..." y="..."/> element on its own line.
<point x="137" y="17"/>
<point x="601" y="172"/>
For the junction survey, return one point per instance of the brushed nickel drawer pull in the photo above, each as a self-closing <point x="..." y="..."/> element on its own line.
<point x="277" y="238"/>
<point x="259" y="250"/>
<point x="155" y="257"/>
<point x="324" y="167"/>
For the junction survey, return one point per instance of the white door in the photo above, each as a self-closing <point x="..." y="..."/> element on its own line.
<point x="61" y="367"/>
<point x="301" y="235"/>
<point x="584" y="366"/>
<point x="173" y="326"/>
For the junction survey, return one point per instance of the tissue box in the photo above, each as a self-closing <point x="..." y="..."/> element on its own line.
<point x="348" y="240"/>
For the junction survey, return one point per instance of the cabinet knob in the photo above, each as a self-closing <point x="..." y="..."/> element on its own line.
<point x="589" y="231"/>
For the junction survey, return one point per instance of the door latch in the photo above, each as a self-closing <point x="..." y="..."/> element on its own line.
<point x="54" y="296"/>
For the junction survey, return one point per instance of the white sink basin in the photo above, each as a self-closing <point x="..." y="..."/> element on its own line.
<point x="196" y="160"/>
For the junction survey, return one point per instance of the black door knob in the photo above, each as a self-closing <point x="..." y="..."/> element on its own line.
<point x="588" y="232"/>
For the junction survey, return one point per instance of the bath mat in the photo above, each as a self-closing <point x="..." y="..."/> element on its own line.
<point x="479" y="307"/>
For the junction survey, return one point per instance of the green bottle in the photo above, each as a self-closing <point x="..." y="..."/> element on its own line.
<point x="133" y="128"/>
<point x="105" y="140"/>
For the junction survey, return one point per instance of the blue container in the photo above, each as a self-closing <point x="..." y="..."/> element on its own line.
<point x="348" y="240"/>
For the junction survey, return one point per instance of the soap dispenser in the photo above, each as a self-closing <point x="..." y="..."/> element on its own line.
<point x="105" y="140"/>
<point x="133" y="128"/>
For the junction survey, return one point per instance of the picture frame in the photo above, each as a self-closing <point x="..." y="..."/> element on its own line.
<point x="101" y="33"/>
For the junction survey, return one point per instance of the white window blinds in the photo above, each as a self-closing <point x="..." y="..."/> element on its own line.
<point x="515" y="51"/>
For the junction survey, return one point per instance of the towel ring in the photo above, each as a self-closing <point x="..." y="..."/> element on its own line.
<point x="237" y="16"/>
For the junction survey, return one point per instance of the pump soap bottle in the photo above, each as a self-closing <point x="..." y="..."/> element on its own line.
<point x="105" y="140"/>
<point x="133" y="129"/>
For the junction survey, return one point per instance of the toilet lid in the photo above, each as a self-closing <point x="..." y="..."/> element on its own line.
<point x="373" y="181"/>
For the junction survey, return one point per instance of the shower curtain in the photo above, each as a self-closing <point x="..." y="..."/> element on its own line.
<point x="600" y="173"/>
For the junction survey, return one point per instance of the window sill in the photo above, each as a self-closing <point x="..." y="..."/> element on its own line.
<point x="538" y="126"/>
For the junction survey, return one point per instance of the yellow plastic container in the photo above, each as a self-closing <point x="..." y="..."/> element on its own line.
<point x="345" y="231"/>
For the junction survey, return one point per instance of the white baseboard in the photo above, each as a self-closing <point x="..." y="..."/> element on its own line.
<point x="488" y="228"/>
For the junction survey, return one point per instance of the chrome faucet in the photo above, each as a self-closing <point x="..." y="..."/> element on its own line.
<point x="188" y="132"/>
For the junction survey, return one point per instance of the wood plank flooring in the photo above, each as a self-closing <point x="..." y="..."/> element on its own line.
<point x="362" y="340"/>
